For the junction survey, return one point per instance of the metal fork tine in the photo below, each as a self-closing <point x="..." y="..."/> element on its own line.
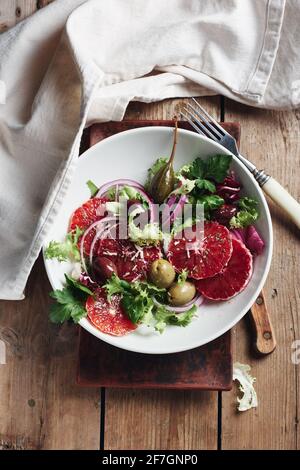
<point x="217" y="125"/>
<point x="206" y="122"/>
<point x="192" y="124"/>
<point x="197" y="125"/>
<point x="203" y="128"/>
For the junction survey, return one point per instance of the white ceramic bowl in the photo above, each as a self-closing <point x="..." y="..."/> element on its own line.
<point x="128" y="155"/>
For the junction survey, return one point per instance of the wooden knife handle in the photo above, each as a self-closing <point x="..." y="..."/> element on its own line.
<point x="265" y="341"/>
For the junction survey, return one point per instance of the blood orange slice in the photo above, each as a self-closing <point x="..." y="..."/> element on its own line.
<point x="203" y="256"/>
<point x="132" y="262"/>
<point x="108" y="317"/>
<point x="91" y="211"/>
<point x="232" y="279"/>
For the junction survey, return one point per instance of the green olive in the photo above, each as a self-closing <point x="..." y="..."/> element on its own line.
<point x="180" y="294"/>
<point x="161" y="273"/>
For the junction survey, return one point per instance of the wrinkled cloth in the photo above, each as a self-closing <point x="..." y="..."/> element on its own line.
<point x="76" y="62"/>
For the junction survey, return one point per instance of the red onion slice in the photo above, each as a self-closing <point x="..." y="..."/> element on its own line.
<point x="197" y="300"/>
<point x="168" y="216"/>
<point x="93" y="225"/>
<point x="125" y="182"/>
<point x="101" y="234"/>
<point x="121" y="182"/>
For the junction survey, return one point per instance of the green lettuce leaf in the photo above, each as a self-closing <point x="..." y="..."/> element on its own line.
<point x="213" y="168"/>
<point x="210" y="202"/>
<point x="136" y="297"/>
<point x="182" y="277"/>
<point x="149" y="235"/>
<point x="137" y="306"/>
<point x="217" y="166"/>
<point x="186" y="187"/>
<point x="131" y="194"/>
<point x="248" y="203"/>
<point x="164" y="317"/>
<point x="115" y="285"/>
<point x="137" y="301"/>
<point x="92" y="187"/>
<point x="70" y="302"/>
<point x="199" y="177"/>
<point x="247" y="214"/>
<point x="67" y="250"/>
<point x="205" y="185"/>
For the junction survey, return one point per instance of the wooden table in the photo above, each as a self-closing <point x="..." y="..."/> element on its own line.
<point x="40" y="406"/>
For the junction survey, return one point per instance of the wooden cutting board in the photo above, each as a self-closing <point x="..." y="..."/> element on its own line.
<point x="208" y="367"/>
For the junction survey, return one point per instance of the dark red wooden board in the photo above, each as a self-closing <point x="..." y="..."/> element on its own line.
<point x="208" y="367"/>
<point x="101" y="131"/>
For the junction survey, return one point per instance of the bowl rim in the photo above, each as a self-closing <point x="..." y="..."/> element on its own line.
<point x="84" y="323"/>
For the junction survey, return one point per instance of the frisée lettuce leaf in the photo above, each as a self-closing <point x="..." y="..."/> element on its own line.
<point x="186" y="187"/>
<point x="149" y="234"/>
<point x="164" y="317"/>
<point x="115" y="285"/>
<point x="241" y="373"/>
<point x="247" y="214"/>
<point x="131" y="194"/>
<point x="136" y="296"/>
<point x="67" y="250"/>
<point x="137" y="301"/>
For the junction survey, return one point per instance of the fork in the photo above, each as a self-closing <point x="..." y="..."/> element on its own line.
<point x="204" y="124"/>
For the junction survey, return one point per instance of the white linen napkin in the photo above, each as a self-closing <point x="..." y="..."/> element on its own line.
<point x="76" y="62"/>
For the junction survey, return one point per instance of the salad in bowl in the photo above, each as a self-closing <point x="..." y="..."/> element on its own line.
<point x="145" y="256"/>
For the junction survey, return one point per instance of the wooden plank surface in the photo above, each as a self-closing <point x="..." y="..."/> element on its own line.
<point x="13" y="11"/>
<point x="161" y="419"/>
<point x="271" y="140"/>
<point x="40" y="406"/>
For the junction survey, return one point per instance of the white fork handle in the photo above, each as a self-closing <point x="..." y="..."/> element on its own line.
<point x="283" y="199"/>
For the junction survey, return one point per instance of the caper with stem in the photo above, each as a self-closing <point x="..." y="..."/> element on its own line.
<point x="163" y="181"/>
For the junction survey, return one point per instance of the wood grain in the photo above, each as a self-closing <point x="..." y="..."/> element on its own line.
<point x="40" y="406"/>
<point x="271" y="140"/>
<point x="206" y="368"/>
<point x="264" y="335"/>
<point x="13" y="11"/>
<point x="161" y="419"/>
